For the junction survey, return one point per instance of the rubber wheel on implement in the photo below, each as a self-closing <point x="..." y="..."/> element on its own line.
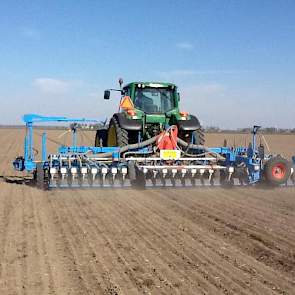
<point x="117" y="136"/>
<point x="277" y="171"/>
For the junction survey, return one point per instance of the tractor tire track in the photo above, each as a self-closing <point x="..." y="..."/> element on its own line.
<point x="146" y="247"/>
<point x="265" y="242"/>
<point x="216" y="223"/>
<point x="190" y="260"/>
<point x="210" y="255"/>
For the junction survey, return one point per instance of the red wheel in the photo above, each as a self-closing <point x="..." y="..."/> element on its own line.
<point x="277" y="171"/>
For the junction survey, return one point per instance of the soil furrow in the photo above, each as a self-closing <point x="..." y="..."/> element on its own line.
<point x="217" y="246"/>
<point x="159" y="233"/>
<point x="235" y="228"/>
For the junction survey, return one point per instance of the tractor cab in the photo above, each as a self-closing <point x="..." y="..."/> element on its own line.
<point x="153" y="98"/>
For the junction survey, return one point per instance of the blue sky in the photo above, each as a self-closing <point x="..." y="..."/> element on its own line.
<point x="234" y="61"/>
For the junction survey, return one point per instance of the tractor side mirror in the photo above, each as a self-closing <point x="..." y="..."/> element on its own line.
<point x="107" y="94"/>
<point x="178" y="96"/>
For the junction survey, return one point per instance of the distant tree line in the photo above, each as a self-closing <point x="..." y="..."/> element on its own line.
<point x="266" y="130"/>
<point x="210" y="129"/>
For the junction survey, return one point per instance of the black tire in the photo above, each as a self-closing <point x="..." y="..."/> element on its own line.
<point x="199" y="136"/>
<point x="277" y="171"/>
<point x="42" y="177"/>
<point x="117" y="136"/>
<point x="101" y="137"/>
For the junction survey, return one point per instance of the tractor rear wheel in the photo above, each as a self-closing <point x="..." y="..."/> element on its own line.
<point x="277" y="171"/>
<point x="199" y="136"/>
<point x="117" y="136"/>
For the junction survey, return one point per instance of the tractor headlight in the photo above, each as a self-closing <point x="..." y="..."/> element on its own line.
<point x="183" y="115"/>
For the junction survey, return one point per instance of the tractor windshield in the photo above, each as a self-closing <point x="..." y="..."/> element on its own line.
<point x="154" y="100"/>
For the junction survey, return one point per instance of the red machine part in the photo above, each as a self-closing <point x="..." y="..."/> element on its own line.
<point x="279" y="171"/>
<point x="167" y="140"/>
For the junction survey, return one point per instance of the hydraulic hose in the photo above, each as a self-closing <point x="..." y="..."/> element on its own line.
<point x="196" y="146"/>
<point x="153" y="140"/>
<point x="131" y="147"/>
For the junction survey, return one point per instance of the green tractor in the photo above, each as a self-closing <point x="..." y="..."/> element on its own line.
<point x="146" y="109"/>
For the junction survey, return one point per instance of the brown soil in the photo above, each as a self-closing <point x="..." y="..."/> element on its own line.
<point x="160" y="241"/>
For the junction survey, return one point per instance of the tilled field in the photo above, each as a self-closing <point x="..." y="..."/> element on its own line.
<point x="161" y="241"/>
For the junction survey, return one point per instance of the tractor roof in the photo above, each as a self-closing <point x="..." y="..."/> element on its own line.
<point x="152" y="84"/>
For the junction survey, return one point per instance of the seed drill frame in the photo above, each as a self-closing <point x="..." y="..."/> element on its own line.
<point x="143" y="164"/>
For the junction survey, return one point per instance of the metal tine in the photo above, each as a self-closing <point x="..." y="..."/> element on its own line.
<point x="202" y="172"/>
<point x="211" y="176"/>
<point x="154" y="177"/>
<point x="173" y="179"/>
<point x="104" y="172"/>
<point x="92" y="172"/>
<point x="59" y="179"/>
<point x="84" y="172"/>
<point x="193" y="181"/>
<point x="124" y="172"/>
<point x="236" y="182"/>
<point x="112" y="175"/>
<point x="69" y="179"/>
<point x="163" y="176"/>
<point x="216" y="177"/>
<point x="230" y="173"/>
